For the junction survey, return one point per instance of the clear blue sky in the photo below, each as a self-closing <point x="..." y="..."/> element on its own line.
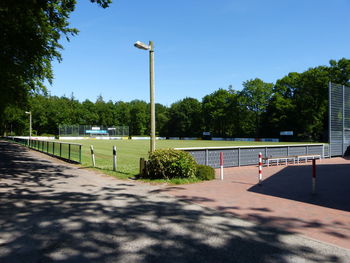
<point x="200" y="45"/>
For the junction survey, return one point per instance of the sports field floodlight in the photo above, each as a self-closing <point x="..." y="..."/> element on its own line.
<point x="149" y="47"/>
<point x="30" y="125"/>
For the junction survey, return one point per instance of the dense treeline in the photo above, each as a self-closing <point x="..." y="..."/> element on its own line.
<point x="297" y="102"/>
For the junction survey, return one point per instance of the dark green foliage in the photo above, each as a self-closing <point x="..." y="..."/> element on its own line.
<point x="185" y="118"/>
<point x="217" y="113"/>
<point x="30" y="36"/>
<point x="169" y="163"/>
<point x="205" y="172"/>
<point x="297" y="102"/>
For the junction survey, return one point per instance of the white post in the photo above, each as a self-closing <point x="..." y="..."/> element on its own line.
<point x="92" y="156"/>
<point x="221" y="166"/>
<point x="313" y="176"/>
<point x="114" y="158"/>
<point x="260" y="168"/>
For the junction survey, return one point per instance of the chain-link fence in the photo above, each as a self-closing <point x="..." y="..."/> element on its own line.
<point x="92" y="131"/>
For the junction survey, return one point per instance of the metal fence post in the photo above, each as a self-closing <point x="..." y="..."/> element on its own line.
<point x="329" y="118"/>
<point x="60" y="149"/>
<point x="239" y="156"/>
<point x="68" y="151"/>
<point x="343" y="123"/>
<point x="323" y="151"/>
<point x="313" y="176"/>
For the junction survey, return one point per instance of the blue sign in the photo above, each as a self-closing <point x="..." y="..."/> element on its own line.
<point x="97" y="131"/>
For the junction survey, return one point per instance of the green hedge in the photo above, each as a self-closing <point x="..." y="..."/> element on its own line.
<point x="205" y="172"/>
<point x="169" y="163"/>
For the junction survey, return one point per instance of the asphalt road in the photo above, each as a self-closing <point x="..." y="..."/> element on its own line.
<point x="54" y="212"/>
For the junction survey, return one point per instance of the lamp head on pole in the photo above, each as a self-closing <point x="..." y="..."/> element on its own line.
<point x="141" y="45"/>
<point x="28" y="112"/>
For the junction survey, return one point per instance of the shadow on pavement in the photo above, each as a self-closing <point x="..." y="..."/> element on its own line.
<point x="39" y="224"/>
<point x="295" y="183"/>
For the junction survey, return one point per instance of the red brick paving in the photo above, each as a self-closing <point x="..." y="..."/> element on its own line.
<point x="284" y="200"/>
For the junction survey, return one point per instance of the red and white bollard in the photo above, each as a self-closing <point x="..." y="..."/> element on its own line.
<point x="221" y="165"/>
<point x="313" y="176"/>
<point x="260" y="168"/>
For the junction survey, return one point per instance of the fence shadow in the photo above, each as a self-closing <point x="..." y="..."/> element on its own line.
<point x="295" y="183"/>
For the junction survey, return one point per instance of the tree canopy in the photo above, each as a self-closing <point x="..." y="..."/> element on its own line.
<point x="30" y="34"/>
<point x="296" y="102"/>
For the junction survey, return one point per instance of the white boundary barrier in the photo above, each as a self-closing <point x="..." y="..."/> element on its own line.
<point x="32" y="137"/>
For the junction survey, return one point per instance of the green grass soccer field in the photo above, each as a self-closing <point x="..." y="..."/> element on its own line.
<point x="129" y="152"/>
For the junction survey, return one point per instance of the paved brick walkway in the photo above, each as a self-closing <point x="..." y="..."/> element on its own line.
<point x="54" y="212"/>
<point x="284" y="200"/>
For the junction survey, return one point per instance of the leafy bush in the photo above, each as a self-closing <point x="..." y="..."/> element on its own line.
<point x="205" y="172"/>
<point x="169" y="163"/>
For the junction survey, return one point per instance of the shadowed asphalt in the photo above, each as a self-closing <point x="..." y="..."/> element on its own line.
<point x="54" y="212"/>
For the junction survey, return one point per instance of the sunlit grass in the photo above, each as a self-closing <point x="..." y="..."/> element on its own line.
<point x="129" y="153"/>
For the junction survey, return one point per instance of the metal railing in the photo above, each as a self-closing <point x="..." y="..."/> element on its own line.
<point x="67" y="151"/>
<point x="248" y="155"/>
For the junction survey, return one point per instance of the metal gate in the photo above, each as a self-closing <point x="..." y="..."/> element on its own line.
<point x="339" y="119"/>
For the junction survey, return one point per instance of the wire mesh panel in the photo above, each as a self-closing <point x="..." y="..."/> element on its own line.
<point x="297" y="150"/>
<point x="314" y="150"/>
<point x="199" y="156"/>
<point x="230" y="157"/>
<point x="326" y="150"/>
<point x="276" y="152"/>
<point x="249" y="156"/>
<point x="339" y="119"/>
<point x="237" y="156"/>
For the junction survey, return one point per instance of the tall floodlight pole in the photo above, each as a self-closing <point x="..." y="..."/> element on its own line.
<point x="150" y="47"/>
<point x="30" y="125"/>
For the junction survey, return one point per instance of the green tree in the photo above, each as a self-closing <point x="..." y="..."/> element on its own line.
<point x="15" y="121"/>
<point x="300" y="101"/>
<point x="30" y="40"/>
<point x="89" y="113"/>
<point x="282" y="108"/>
<point x="139" y="118"/>
<point x="185" y="118"/>
<point x="216" y="109"/>
<point x="105" y="112"/>
<point x="122" y="113"/>
<point x="162" y="119"/>
<point x="255" y="97"/>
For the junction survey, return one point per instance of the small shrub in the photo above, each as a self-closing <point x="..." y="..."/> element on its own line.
<point x="205" y="172"/>
<point x="169" y="163"/>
